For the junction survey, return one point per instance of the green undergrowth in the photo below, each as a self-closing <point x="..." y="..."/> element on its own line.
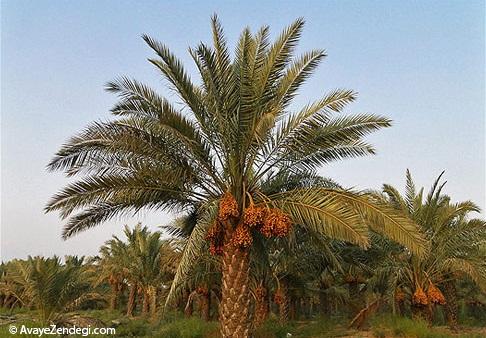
<point x="393" y="326"/>
<point x="174" y="325"/>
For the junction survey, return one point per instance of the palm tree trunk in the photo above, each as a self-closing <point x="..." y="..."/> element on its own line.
<point x="284" y="305"/>
<point x="261" y="307"/>
<point x="356" y="298"/>
<point x="113" y="301"/>
<point x="451" y="307"/>
<point x="399" y="307"/>
<point x="294" y="308"/>
<point x="324" y="301"/>
<point x="153" y="301"/>
<point x="417" y="311"/>
<point x="145" y="302"/>
<point x="206" y="306"/>
<point x="307" y="307"/>
<point x="131" y="299"/>
<point x="209" y="305"/>
<point x="182" y="300"/>
<point x="114" y="297"/>
<point x="234" y="309"/>
<point x="188" y="310"/>
<point x="423" y="312"/>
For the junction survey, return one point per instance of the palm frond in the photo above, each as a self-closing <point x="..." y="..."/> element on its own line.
<point x="192" y="250"/>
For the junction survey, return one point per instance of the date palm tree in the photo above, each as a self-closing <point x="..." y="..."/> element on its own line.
<point x="111" y="270"/>
<point x="47" y="285"/>
<point x="146" y="256"/>
<point x="143" y="261"/>
<point x="229" y="133"/>
<point x="11" y="289"/>
<point x="457" y="248"/>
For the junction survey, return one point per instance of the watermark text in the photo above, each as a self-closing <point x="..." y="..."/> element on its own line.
<point x="55" y="330"/>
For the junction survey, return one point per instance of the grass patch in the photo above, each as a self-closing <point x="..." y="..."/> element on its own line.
<point x="403" y="327"/>
<point x="106" y="316"/>
<point x="175" y="325"/>
<point x="188" y="328"/>
<point x="273" y="329"/>
<point x="4" y="329"/>
<point x="389" y="325"/>
<point x="320" y="327"/>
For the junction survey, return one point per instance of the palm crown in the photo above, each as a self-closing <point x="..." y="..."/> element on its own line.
<point x="456" y="239"/>
<point x="456" y="249"/>
<point x="233" y="132"/>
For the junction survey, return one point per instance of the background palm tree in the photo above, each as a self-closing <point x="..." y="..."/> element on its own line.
<point x="111" y="270"/>
<point x="457" y="247"/>
<point x="48" y="286"/>
<point x="232" y="133"/>
<point x="144" y="262"/>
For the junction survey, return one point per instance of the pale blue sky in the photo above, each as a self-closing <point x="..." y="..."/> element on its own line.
<point x="420" y="63"/>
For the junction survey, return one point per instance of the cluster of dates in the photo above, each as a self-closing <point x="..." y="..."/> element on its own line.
<point x="202" y="290"/>
<point x="420" y="297"/>
<point x="260" y="292"/>
<point x="269" y="222"/>
<point x="433" y="296"/>
<point x="278" y="297"/>
<point x="399" y="295"/>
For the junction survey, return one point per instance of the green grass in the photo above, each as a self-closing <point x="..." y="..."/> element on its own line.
<point x="273" y="329"/>
<point x="136" y="327"/>
<point x="318" y="327"/>
<point x="388" y="325"/>
<point x="174" y="325"/>
<point x="4" y="329"/>
<point x="15" y="310"/>
<point x="321" y="327"/>
<point x="188" y="328"/>
<point x="400" y="327"/>
<point x="105" y="316"/>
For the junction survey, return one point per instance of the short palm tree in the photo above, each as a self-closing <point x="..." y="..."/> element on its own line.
<point x="111" y="269"/>
<point x="10" y="289"/>
<point x="48" y="286"/>
<point x="145" y="252"/>
<point x="139" y="261"/>
<point x="457" y="247"/>
<point x="229" y="134"/>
